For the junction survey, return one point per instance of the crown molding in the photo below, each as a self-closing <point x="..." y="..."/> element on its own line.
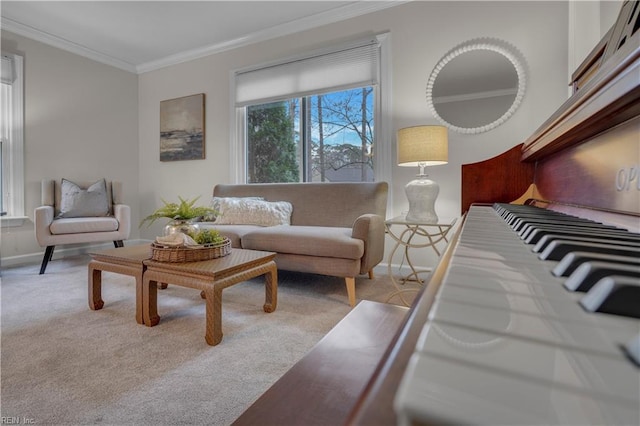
<point x="60" y="43"/>
<point x="336" y="15"/>
<point x="324" y="18"/>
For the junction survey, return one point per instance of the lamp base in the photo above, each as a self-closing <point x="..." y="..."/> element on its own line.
<point x="422" y="193"/>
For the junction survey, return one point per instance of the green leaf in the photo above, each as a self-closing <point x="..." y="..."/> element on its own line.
<point x="185" y="210"/>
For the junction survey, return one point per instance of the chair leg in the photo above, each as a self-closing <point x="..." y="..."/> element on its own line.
<point x="48" y="254"/>
<point x="118" y="243"/>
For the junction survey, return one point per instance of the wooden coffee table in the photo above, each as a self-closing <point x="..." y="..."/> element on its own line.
<point x="211" y="277"/>
<point x="122" y="260"/>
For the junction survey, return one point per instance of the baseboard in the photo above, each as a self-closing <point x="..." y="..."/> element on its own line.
<point x="62" y="252"/>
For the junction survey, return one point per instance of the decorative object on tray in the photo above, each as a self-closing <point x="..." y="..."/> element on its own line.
<point x="183" y="216"/>
<point x="201" y="245"/>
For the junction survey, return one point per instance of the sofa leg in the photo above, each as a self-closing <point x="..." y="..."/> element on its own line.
<point x="351" y="290"/>
<point x="48" y="254"/>
<point x="371" y="274"/>
<point x="118" y="243"/>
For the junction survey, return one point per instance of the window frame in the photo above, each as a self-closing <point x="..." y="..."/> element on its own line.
<point x="382" y="137"/>
<point x="13" y="152"/>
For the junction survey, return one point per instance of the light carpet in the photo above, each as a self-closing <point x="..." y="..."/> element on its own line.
<point x="64" y="364"/>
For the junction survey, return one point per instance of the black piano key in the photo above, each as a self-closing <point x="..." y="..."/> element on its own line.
<point x="511" y="217"/>
<point x="535" y="234"/>
<point x="523" y="224"/>
<point x="632" y="349"/>
<point x="560" y="248"/>
<point x="541" y="215"/>
<point x="571" y="261"/>
<point x="586" y="226"/>
<point x="589" y="273"/>
<point x="612" y="240"/>
<point x="617" y="295"/>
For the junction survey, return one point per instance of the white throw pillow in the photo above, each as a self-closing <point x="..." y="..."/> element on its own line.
<point x="215" y="204"/>
<point x="78" y="202"/>
<point x="246" y="211"/>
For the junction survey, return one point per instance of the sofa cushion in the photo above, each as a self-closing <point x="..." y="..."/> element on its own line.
<point x="83" y="225"/>
<point x="247" y="211"/>
<point x="78" y="202"/>
<point x="305" y="240"/>
<point x="235" y="233"/>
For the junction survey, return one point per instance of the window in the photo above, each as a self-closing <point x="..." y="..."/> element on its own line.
<point x="314" y="118"/>
<point x="319" y="138"/>
<point x="11" y="140"/>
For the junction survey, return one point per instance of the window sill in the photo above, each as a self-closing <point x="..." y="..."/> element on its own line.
<point x="12" y="221"/>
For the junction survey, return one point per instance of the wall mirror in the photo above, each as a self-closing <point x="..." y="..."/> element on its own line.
<point x="477" y="85"/>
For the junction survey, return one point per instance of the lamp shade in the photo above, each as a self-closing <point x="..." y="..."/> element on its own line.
<point x="422" y="146"/>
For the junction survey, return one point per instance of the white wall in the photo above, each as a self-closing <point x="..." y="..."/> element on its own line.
<point x="81" y="123"/>
<point x="421" y="33"/>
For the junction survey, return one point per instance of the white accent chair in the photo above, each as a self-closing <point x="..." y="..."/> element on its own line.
<point x="52" y="231"/>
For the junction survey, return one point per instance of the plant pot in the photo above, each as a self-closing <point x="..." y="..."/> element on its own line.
<point x="183" y="226"/>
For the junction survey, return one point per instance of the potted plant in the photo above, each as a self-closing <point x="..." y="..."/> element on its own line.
<point x="182" y="215"/>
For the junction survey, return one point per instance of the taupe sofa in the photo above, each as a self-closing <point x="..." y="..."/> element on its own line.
<point x="335" y="229"/>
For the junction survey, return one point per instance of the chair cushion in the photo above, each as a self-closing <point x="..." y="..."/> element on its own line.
<point x="84" y="224"/>
<point x="78" y="202"/>
<point x="306" y="240"/>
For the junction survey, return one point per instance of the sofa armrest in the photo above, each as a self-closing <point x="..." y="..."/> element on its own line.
<point x="370" y="229"/>
<point x="43" y="216"/>
<point x="122" y="212"/>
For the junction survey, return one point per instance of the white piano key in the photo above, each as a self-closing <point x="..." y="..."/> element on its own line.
<point x="601" y="376"/>
<point x="437" y="390"/>
<point x="587" y="335"/>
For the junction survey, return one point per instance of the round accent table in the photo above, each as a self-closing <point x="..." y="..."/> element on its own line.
<point x="410" y="235"/>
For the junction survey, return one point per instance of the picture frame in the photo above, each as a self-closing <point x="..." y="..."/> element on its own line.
<point x="182" y="128"/>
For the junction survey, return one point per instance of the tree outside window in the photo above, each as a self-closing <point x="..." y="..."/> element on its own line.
<point x="319" y="138"/>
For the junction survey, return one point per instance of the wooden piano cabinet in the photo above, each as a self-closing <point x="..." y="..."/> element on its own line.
<point x="502" y="178"/>
<point x="323" y="387"/>
<point x="374" y="406"/>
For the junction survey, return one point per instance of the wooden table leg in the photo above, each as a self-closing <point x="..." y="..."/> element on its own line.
<point x="271" y="289"/>
<point x="95" y="287"/>
<point x="150" y="301"/>
<point x="213" y="333"/>
<point x="139" y="298"/>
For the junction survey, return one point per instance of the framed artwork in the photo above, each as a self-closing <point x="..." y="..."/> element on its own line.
<point x="182" y="128"/>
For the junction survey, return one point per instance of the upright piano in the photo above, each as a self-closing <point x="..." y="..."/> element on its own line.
<point x="532" y="315"/>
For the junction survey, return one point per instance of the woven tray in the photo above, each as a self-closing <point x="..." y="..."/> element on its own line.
<point x="184" y="254"/>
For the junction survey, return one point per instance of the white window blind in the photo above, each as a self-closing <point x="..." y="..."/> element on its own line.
<point x="356" y="65"/>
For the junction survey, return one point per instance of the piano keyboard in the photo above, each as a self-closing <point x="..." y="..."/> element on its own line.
<point x="535" y="322"/>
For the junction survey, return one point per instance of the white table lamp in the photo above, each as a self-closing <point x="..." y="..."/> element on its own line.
<point x="422" y="146"/>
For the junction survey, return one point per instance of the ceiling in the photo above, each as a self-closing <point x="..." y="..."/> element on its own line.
<point x="140" y="36"/>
